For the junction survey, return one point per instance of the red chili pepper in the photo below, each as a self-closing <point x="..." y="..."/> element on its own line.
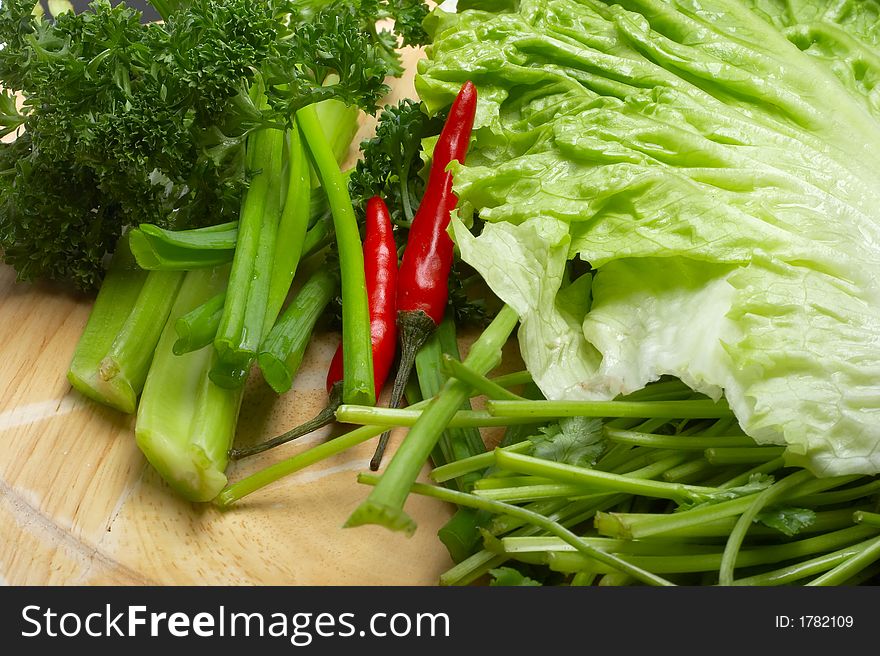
<point x="380" y="269"/>
<point x="423" y="290"/>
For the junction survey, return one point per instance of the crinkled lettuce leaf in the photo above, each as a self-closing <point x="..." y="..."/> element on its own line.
<point x="717" y="162"/>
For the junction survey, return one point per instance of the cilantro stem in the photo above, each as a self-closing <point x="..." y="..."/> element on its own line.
<point x="743" y="455"/>
<point x="636" y="526"/>
<point x="384" y="505"/>
<point x="738" y="534"/>
<point x="479" y="462"/>
<point x="526" y="544"/>
<point x="743" y="478"/>
<point x="471" y="568"/>
<point x="472" y="501"/>
<point x="677" y="441"/>
<point x="851" y="566"/>
<point x="593" y="478"/>
<point x="482" y="385"/>
<point x="513" y="379"/>
<point x="704" y="562"/>
<point x="803" y="569"/>
<point x="262" y="478"/>
<point x="240" y="489"/>
<point x="380" y="416"/>
<point x="867" y="518"/>
<point x="583" y="579"/>
<point x="841" y="496"/>
<point x="700" y="409"/>
<point x="521" y="493"/>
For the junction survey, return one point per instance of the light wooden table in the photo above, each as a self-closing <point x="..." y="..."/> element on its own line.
<point x="79" y="504"/>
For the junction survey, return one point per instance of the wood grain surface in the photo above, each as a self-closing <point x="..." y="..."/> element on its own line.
<point x="80" y="505"/>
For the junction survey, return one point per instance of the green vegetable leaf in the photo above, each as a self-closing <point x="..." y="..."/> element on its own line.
<point x="508" y="576"/>
<point x="789" y="521"/>
<point x="124" y="123"/>
<point x="575" y="441"/>
<point x="715" y="163"/>
<point x="391" y="166"/>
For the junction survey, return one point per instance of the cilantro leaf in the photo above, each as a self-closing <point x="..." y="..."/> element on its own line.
<point x="789" y="521"/>
<point x="577" y="441"/>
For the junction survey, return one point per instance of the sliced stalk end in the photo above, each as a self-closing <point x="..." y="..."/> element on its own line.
<point x="231" y="368"/>
<point x="113" y="392"/>
<point x="275" y="372"/>
<point x="380" y="514"/>
<point x="189" y="471"/>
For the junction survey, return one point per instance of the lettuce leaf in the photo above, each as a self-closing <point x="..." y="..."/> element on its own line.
<point x="717" y="162"/>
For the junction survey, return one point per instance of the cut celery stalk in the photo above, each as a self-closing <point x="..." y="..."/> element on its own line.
<point x="185" y="422"/>
<point x="113" y="354"/>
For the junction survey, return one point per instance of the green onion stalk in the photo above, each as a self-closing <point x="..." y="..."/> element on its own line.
<point x="358" y="384"/>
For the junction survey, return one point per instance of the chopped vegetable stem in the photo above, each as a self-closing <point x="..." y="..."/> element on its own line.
<point x="465" y="499"/>
<point x="384" y="505"/>
<point x="358" y="384"/>
<point x="738" y="534"/>
<point x="655" y="409"/>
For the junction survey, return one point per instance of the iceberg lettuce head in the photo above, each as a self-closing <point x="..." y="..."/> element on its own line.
<point x="716" y="163"/>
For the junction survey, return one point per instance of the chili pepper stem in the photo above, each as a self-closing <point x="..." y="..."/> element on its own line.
<point x="323" y="418"/>
<point x="415" y="327"/>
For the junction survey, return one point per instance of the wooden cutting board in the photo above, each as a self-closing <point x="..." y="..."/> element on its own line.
<point x="80" y="505"/>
